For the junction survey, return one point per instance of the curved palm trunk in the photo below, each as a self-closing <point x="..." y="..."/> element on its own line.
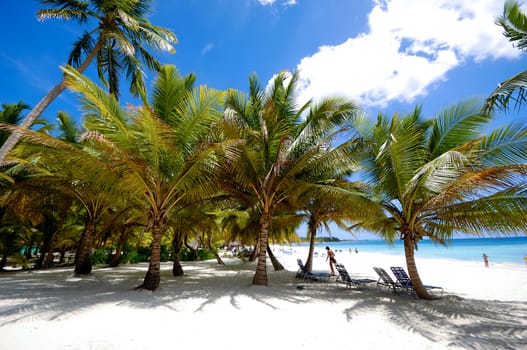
<point x="48" y="261"/>
<point x="153" y="275"/>
<point x="191" y="248"/>
<point x="254" y="252"/>
<point x="41" y="106"/>
<point x="312" y="230"/>
<point x="177" y="244"/>
<point x="211" y="249"/>
<point x="260" y="277"/>
<point x="276" y="264"/>
<point x="417" y="285"/>
<point x="83" y="264"/>
<point x="116" y="258"/>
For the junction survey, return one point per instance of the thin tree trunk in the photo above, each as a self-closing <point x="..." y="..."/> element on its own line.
<point x="417" y="285"/>
<point x="41" y="106"/>
<point x="276" y="264"/>
<point x="260" y="276"/>
<point x="312" y="230"/>
<point x="153" y="275"/>
<point x="48" y="261"/>
<point x="116" y="258"/>
<point x="3" y="262"/>
<point x="83" y="265"/>
<point x="254" y="253"/>
<point x="211" y="249"/>
<point x="189" y="247"/>
<point x="177" y="244"/>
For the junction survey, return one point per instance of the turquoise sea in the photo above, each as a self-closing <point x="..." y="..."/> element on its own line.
<point x="499" y="250"/>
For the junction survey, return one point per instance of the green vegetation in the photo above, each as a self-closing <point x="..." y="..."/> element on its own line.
<point x="194" y="168"/>
<point x="321" y="239"/>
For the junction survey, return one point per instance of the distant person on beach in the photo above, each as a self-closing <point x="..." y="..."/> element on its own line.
<point x="332" y="260"/>
<point x="356" y="251"/>
<point x="486" y="259"/>
<point x="525" y="259"/>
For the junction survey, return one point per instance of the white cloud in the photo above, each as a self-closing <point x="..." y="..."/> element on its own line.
<point x="410" y="46"/>
<point x="207" y="48"/>
<point x="271" y="2"/>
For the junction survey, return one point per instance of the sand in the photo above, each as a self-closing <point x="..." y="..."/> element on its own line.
<point x="216" y="307"/>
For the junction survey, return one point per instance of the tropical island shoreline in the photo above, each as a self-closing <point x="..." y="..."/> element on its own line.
<point x="215" y="306"/>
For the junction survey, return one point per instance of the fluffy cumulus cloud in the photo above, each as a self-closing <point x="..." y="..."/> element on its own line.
<point x="410" y="45"/>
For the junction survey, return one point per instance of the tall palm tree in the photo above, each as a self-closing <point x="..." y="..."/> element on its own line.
<point x="118" y="42"/>
<point x="513" y="90"/>
<point x="441" y="177"/>
<point x="282" y="140"/>
<point x="167" y="167"/>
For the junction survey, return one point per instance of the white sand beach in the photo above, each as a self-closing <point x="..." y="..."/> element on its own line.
<point x="216" y="307"/>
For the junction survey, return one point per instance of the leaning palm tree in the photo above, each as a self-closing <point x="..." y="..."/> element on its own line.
<point x="441" y="177"/>
<point x="342" y="202"/>
<point x="282" y="139"/>
<point x="118" y="44"/>
<point x="167" y="167"/>
<point x="513" y="90"/>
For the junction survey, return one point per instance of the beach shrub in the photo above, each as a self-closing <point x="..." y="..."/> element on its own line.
<point x="142" y="254"/>
<point x="100" y="257"/>
<point x="188" y="255"/>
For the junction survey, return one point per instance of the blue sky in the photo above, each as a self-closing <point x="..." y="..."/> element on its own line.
<point x="388" y="55"/>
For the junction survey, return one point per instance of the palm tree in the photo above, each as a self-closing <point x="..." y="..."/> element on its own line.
<point x="118" y="43"/>
<point x="167" y="167"/>
<point x="343" y="203"/>
<point x="441" y="177"/>
<point x="514" y="24"/>
<point x="11" y="114"/>
<point x="282" y="140"/>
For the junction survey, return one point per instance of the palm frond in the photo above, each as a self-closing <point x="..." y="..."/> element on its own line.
<point x="456" y="126"/>
<point x="505" y="145"/>
<point x="511" y="91"/>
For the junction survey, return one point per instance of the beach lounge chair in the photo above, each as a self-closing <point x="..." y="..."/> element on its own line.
<point x="385" y="280"/>
<point x="404" y="280"/>
<point x="344" y="277"/>
<point x="312" y="276"/>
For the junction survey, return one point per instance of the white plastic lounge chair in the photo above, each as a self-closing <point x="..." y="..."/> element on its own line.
<point x="344" y="277"/>
<point x="404" y="280"/>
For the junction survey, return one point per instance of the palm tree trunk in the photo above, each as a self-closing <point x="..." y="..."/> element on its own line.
<point x="177" y="243"/>
<point x="83" y="264"/>
<point x="260" y="277"/>
<point x="211" y="249"/>
<point x="191" y="248"/>
<point x="116" y="258"/>
<point x="48" y="261"/>
<point x="153" y="275"/>
<point x="254" y="252"/>
<point x="276" y="264"/>
<point x="312" y="231"/>
<point x="417" y="285"/>
<point x="41" y="106"/>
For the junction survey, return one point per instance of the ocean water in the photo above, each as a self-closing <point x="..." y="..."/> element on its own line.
<point x="499" y="250"/>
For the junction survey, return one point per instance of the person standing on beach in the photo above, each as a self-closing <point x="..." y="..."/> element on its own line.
<point x="525" y="259"/>
<point x="332" y="260"/>
<point x="486" y="259"/>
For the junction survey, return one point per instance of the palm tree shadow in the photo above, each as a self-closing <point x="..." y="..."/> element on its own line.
<point x="465" y="323"/>
<point x="57" y="294"/>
